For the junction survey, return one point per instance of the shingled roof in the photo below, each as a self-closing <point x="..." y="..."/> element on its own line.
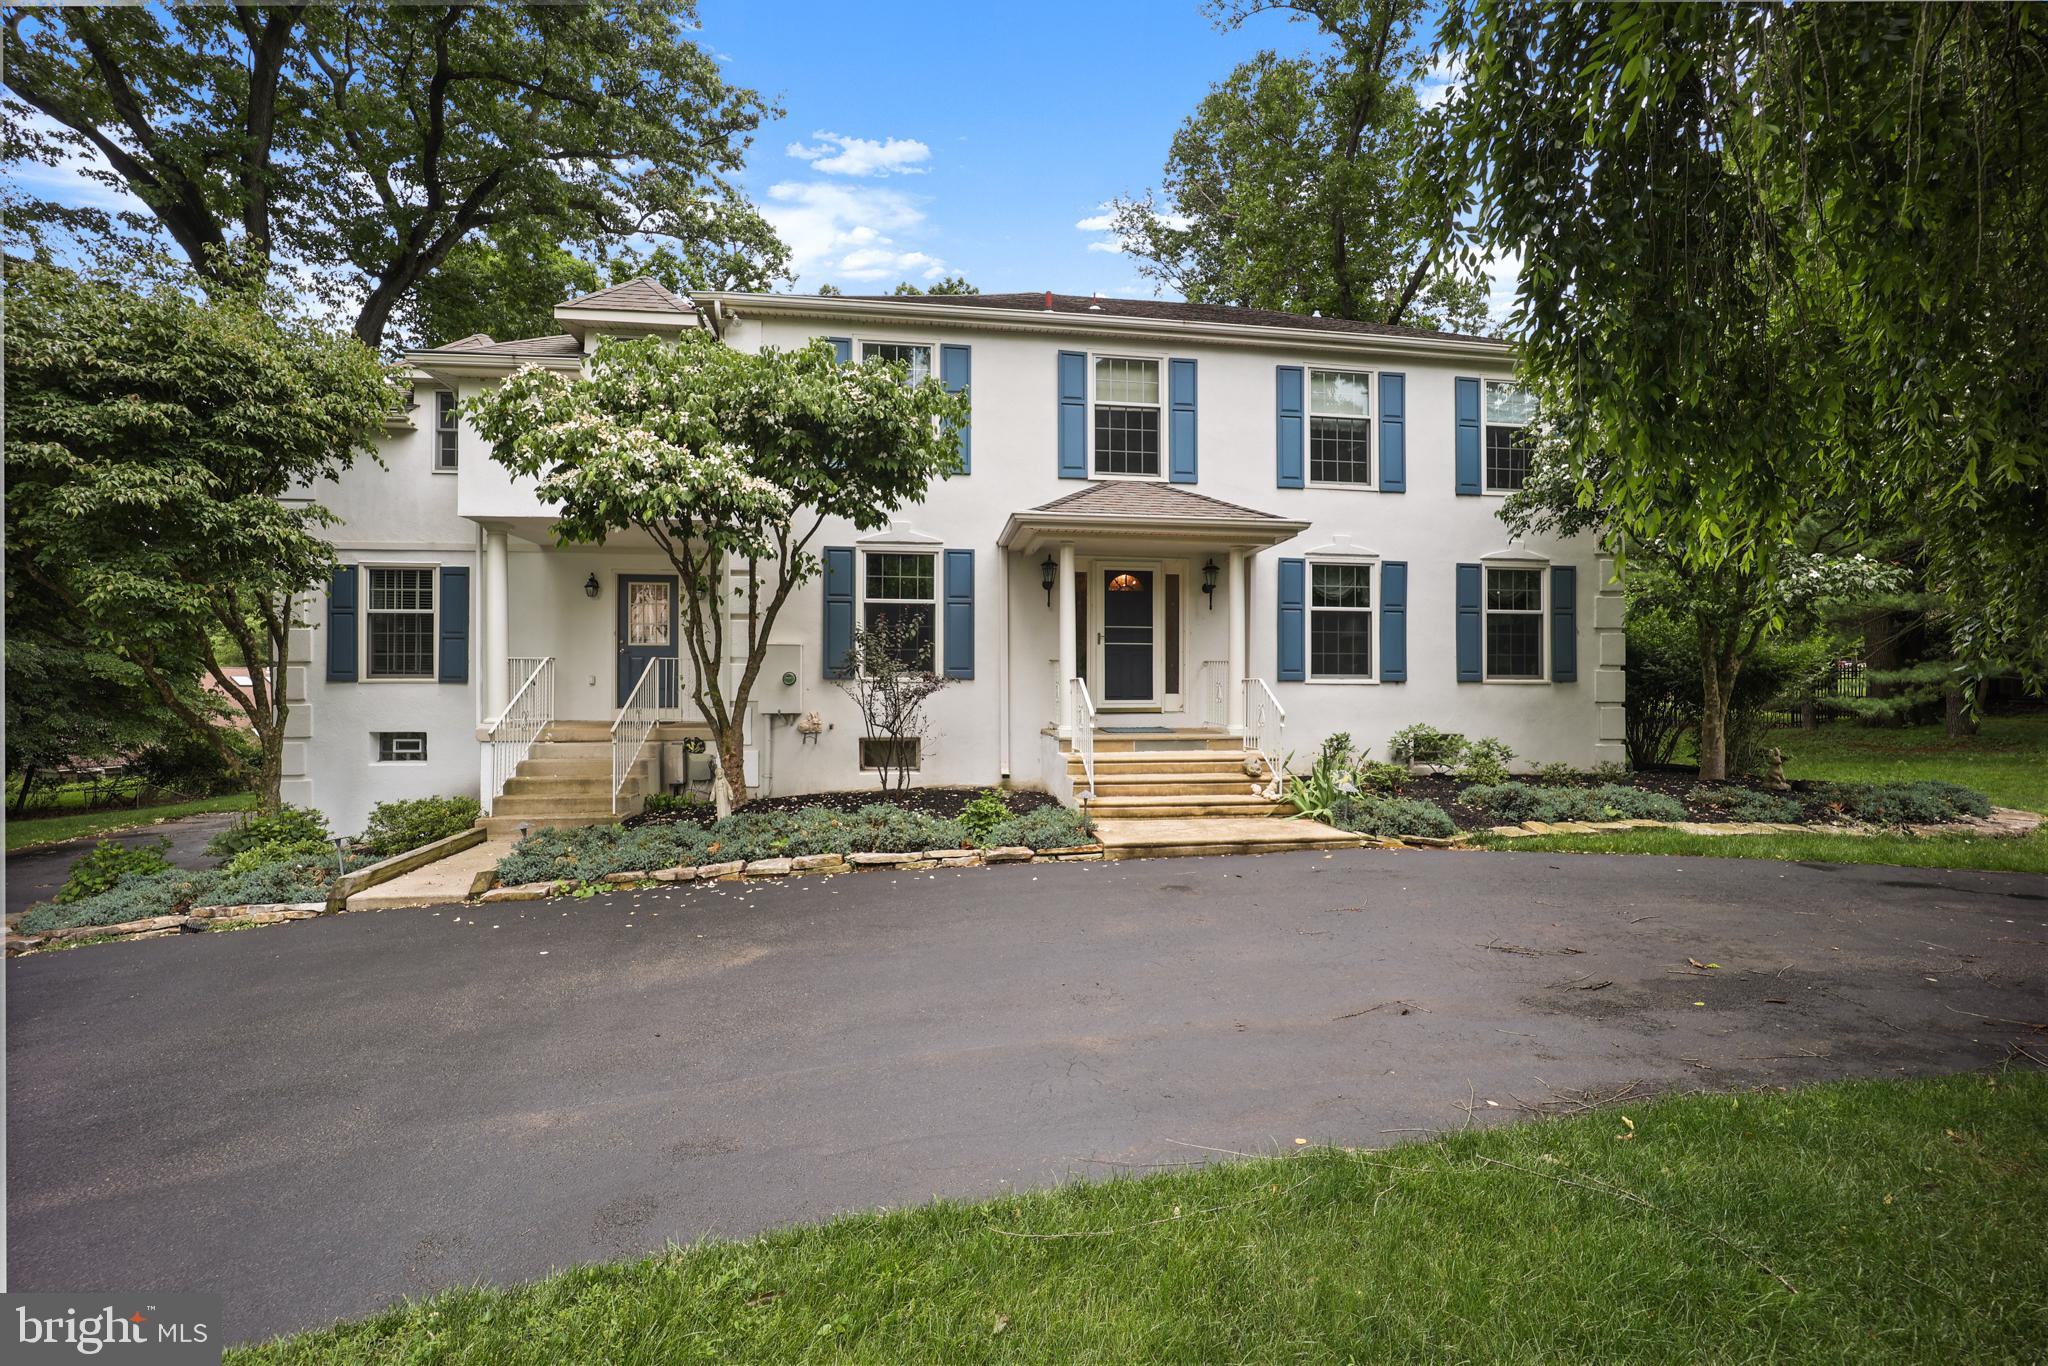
<point x="641" y="295"/>
<point x="1166" y="310"/>
<point x="1141" y="508"/>
<point x="531" y="348"/>
<point x="1126" y="499"/>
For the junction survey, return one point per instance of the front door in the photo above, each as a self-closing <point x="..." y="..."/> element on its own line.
<point x="647" y="630"/>
<point x="1127" y="636"/>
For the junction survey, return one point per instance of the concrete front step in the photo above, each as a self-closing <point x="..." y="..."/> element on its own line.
<point x="1165" y="807"/>
<point x="507" y="827"/>
<point x="1127" y="839"/>
<point x="591" y="787"/>
<point x="1113" y="784"/>
<point x="1200" y="762"/>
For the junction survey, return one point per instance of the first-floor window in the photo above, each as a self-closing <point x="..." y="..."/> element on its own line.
<point x="1340" y="621"/>
<point x="1126" y="416"/>
<point x="1514" y="623"/>
<point x="402" y="746"/>
<point x="401" y="623"/>
<point x="901" y="601"/>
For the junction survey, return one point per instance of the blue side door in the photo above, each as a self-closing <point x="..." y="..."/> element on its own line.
<point x="646" y="630"/>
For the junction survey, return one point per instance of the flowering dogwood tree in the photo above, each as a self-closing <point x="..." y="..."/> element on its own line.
<point x="731" y="462"/>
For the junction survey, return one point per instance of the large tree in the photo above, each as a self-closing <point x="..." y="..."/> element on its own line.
<point x="158" y="454"/>
<point x="1781" y="261"/>
<point x="366" y="144"/>
<point x="1292" y="184"/>
<point x="730" y="462"/>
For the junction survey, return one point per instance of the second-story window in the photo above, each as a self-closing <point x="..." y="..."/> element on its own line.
<point x="444" y="430"/>
<point x="1509" y="410"/>
<point x="1339" y="427"/>
<point x="916" y="356"/>
<point x="1126" y="416"/>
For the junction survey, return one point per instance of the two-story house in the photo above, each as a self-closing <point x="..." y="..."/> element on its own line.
<point x="1178" y="526"/>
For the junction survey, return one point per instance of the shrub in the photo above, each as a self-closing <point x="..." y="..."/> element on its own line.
<point x="1747" y="804"/>
<point x="675" y="803"/>
<point x="1049" y="827"/>
<point x="1315" y="794"/>
<point x="1392" y="817"/>
<point x="1515" y="802"/>
<point x="108" y="864"/>
<point x="987" y="811"/>
<point x="1484" y="760"/>
<point x="395" y="827"/>
<point x="1337" y="751"/>
<point x="295" y="853"/>
<point x="1382" y="778"/>
<point x="1425" y="744"/>
<point x="1556" y="774"/>
<point x="286" y="825"/>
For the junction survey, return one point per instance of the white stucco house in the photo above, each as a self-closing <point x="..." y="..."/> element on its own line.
<point x="1180" y="525"/>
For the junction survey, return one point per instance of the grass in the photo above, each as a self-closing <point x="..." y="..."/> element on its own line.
<point x="26" y="834"/>
<point x="1862" y="1221"/>
<point x="2007" y="760"/>
<point x="2024" y="855"/>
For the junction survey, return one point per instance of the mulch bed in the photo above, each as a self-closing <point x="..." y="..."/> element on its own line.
<point x="1672" y="781"/>
<point x="945" y="803"/>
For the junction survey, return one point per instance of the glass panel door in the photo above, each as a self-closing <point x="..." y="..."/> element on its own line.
<point x="1127" y="626"/>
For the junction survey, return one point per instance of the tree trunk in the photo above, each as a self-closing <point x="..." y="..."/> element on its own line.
<point x="270" y="777"/>
<point x="28" y="778"/>
<point x="1718" y="667"/>
<point x="732" y="761"/>
<point x="1809" y="713"/>
<point x="1960" y="717"/>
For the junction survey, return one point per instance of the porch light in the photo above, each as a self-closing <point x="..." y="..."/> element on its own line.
<point x="590" y="589"/>
<point x="1209" y="582"/>
<point x="1048" y="575"/>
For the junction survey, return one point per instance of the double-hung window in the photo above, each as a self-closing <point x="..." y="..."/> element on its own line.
<point x="1509" y="410"/>
<point x="1340" y="621"/>
<point x="400" y="622"/>
<point x="1339" y="427"/>
<point x="900" y="601"/>
<point x="916" y="357"/>
<point x="1126" y="416"/>
<point x="1514" y="623"/>
<point x="444" y="431"/>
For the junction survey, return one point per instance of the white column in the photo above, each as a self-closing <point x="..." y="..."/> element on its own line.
<point x="1238" y="663"/>
<point x="1063" y="594"/>
<point x="497" y="623"/>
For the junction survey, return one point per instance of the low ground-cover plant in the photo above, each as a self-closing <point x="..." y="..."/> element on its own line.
<point x="1920" y="803"/>
<point x="1748" y="804"/>
<point x="286" y="825"/>
<point x="177" y="891"/>
<point x="292" y="853"/>
<point x="583" y="855"/>
<point x="1514" y="802"/>
<point x="108" y="864"/>
<point x="396" y="827"/>
<point x="674" y="803"/>
<point x="1391" y="817"/>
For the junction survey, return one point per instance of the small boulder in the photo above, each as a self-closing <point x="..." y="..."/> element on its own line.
<point x="679" y="873"/>
<point x="768" y="867"/>
<point x="879" y="860"/>
<point x="1006" y="853"/>
<point x="817" y="863"/>
<point x="525" y="891"/>
<point x="721" y="872"/>
<point x="632" y="875"/>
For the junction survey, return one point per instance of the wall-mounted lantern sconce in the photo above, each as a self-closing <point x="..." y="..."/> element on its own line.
<point x="590" y="589"/>
<point x="1048" y="575"/>
<point x="1209" y="583"/>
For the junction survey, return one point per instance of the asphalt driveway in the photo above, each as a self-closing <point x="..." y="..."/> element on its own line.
<point x="38" y="874"/>
<point x="314" y="1119"/>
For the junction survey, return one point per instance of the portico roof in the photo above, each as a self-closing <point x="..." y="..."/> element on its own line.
<point x="1130" y="508"/>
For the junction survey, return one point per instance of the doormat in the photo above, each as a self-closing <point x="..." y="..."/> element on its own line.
<point x="1136" y="730"/>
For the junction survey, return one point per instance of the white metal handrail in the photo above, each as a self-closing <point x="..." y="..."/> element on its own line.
<point x="1265" y="720"/>
<point x="1083" y="707"/>
<point x="511" y="737"/>
<point x="636" y="720"/>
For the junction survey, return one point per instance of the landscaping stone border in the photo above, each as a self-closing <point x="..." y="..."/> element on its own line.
<point x="2004" y="822"/>
<point x="800" y="865"/>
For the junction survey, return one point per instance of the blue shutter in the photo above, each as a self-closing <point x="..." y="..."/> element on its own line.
<point x="1393" y="434"/>
<point x="1471" y="658"/>
<point x="959" y="614"/>
<point x="843" y="346"/>
<point x="1564" y="624"/>
<point x="1394" y="621"/>
<point x="1293" y="660"/>
<point x="1181" y="447"/>
<point x="956" y="371"/>
<point x="1288" y="440"/>
<point x="838" y="609"/>
<point x="1073" y="394"/>
<point x="1468" y="435"/>
<point x="341" y="624"/>
<point x="454" y="607"/>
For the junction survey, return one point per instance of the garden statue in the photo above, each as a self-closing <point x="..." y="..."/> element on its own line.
<point x="1776" y="782"/>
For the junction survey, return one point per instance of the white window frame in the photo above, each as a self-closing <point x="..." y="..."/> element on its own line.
<point x="1486" y="484"/>
<point x="1541" y="569"/>
<point x="861" y="344"/>
<point x="447" y="425"/>
<point x="1308" y="424"/>
<point x="366" y="673"/>
<point x="1165" y="435"/>
<point x="937" y="555"/>
<point x="1308" y="624"/>
<point x="381" y="735"/>
<point x="916" y="743"/>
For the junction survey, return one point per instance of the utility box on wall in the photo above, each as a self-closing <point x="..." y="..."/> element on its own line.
<point x="779" y="687"/>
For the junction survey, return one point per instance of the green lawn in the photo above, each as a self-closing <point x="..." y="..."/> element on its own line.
<point x="1867" y="1221"/>
<point x="22" y="834"/>
<point x="2007" y="760"/>
<point x="2028" y="855"/>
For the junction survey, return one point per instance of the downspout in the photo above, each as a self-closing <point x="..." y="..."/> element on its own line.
<point x="1003" y="662"/>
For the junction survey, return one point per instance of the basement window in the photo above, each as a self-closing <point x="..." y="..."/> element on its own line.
<point x="401" y="746"/>
<point x="877" y="752"/>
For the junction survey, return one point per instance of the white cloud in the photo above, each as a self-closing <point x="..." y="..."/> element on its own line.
<point x="836" y="154"/>
<point x="1106" y="245"/>
<point x="1103" y="220"/>
<point x="849" y="232"/>
<point x="1097" y="222"/>
<point x="1502" y="274"/>
<point x="1445" y="73"/>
